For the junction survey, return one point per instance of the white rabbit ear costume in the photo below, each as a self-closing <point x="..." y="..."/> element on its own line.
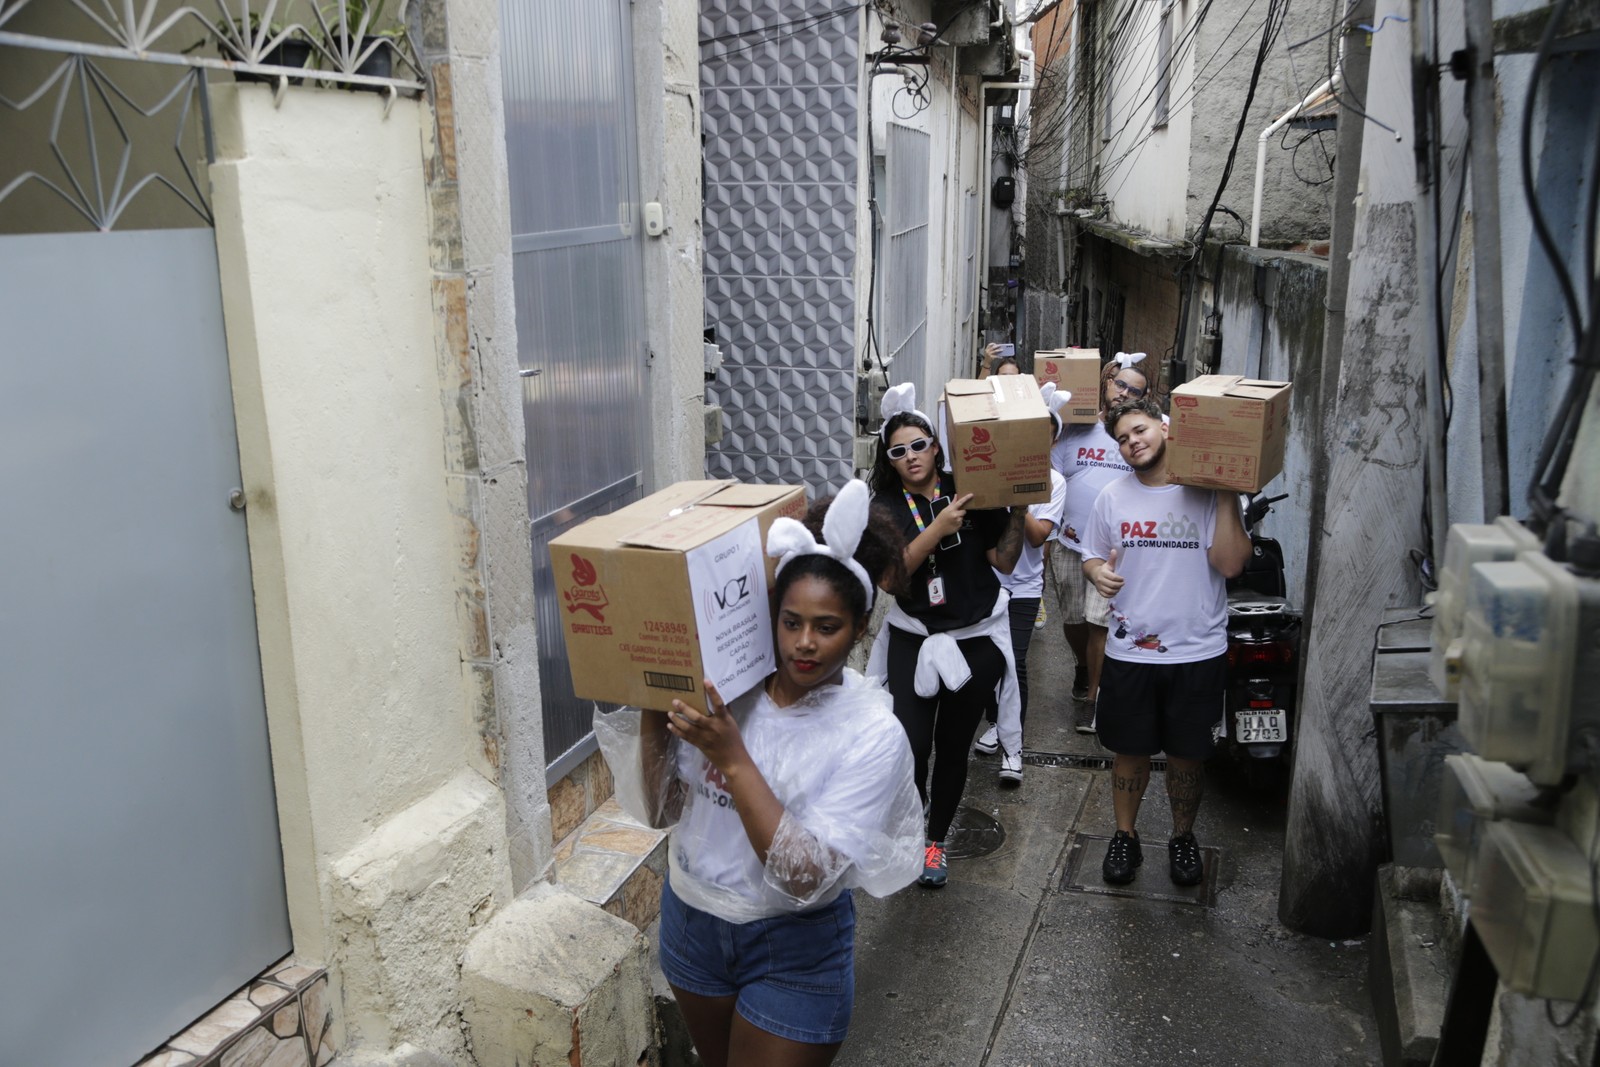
<point x="1054" y="400"/>
<point x="841" y="531"/>
<point x="900" y="400"/>
<point x="1128" y="359"/>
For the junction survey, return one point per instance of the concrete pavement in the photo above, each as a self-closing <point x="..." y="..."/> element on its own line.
<point x="1010" y="965"/>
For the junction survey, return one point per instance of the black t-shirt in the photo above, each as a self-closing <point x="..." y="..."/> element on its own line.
<point x="970" y="585"/>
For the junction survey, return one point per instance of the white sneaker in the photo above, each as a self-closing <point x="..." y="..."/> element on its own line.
<point x="1011" y="768"/>
<point x="989" y="743"/>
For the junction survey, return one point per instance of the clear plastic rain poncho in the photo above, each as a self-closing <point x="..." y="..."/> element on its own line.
<point x="837" y="760"/>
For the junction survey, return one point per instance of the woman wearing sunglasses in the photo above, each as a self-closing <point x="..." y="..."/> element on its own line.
<point x="947" y="645"/>
<point x="1088" y="458"/>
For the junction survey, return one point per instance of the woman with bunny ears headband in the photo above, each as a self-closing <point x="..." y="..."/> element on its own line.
<point x="790" y="796"/>
<point x="947" y="645"/>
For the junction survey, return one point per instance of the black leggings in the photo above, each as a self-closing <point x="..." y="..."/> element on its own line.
<point x="945" y="722"/>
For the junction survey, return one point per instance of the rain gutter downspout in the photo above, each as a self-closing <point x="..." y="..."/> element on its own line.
<point x="1331" y="85"/>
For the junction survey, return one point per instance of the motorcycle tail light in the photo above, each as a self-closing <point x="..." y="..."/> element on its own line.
<point x="1264" y="653"/>
<point x="1260" y="704"/>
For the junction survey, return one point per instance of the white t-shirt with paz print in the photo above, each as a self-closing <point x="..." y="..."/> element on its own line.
<point x="1173" y="606"/>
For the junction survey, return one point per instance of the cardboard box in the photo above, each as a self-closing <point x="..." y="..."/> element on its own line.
<point x="996" y="435"/>
<point x="1228" y="432"/>
<point x="668" y="591"/>
<point x="1076" y="370"/>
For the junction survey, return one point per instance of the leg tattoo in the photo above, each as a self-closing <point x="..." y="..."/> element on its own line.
<point x="1185" y="784"/>
<point x="1130" y="775"/>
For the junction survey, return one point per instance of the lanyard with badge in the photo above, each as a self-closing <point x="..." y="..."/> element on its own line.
<point x="935" y="583"/>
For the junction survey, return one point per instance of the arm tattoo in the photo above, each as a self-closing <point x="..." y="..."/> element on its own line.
<point x="1009" y="546"/>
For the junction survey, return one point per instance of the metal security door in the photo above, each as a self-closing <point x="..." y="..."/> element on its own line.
<point x="571" y="146"/>
<point x="141" y="875"/>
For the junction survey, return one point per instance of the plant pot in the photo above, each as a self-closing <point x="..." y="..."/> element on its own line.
<point x="380" y="64"/>
<point x="289" y="53"/>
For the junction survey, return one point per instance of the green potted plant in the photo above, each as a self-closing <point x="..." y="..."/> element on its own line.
<point x="355" y="40"/>
<point x="256" y="36"/>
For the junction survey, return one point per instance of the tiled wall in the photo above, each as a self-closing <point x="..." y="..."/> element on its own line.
<point x="780" y="111"/>
<point x="279" y="1020"/>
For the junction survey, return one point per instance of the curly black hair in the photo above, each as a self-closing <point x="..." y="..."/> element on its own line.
<point x="1145" y="404"/>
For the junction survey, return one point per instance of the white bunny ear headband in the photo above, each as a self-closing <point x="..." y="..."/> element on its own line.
<point x="788" y="539"/>
<point x="1054" y="400"/>
<point x="900" y="400"/>
<point x="1128" y="359"/>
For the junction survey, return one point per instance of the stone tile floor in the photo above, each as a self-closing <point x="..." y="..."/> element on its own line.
<point x="279" y="1020"/>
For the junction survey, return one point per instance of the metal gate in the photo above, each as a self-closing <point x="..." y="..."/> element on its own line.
<point x="571" y="146"/>
<point x="141" y="874"/>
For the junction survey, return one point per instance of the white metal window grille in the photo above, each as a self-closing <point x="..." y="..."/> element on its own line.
<point x="903" y="274"/>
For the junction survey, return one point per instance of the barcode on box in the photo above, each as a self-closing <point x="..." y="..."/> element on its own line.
<point x="1028" y="487"/>
<point x="678" y="682"/>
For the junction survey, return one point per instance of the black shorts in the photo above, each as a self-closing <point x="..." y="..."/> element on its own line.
<point x="1176" y="708"/>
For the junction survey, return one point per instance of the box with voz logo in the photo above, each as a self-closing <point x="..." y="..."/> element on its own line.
<point x="996" y="435"/>
<point x="668" y="591"/>
<point x="1076" y="370"/>
<point x="1228" y="432"/>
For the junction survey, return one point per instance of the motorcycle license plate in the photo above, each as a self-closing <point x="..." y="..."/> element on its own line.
<point x="1262" y="727"/>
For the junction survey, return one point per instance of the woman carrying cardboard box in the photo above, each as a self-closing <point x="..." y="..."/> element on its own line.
<point x="947" y="642"/>
<point x="784" y="800"/>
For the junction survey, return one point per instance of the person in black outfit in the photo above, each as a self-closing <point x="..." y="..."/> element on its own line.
<point x="951" y="592"/>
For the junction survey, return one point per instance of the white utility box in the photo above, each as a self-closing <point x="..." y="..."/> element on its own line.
<point x="1472" y="794"/>
<point x="1466" y="544"/>
<point x="1533" y="911"/>
<point x="1529" y="663"/>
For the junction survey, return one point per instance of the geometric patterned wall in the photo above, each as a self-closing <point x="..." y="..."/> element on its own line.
<point x="779" y="113"/>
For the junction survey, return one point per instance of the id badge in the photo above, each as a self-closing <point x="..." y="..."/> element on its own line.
<point x="936" y="591"/>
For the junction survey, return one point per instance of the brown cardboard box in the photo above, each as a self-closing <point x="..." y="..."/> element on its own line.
<point x="996" y="435"/>
<point x="1076" y="370"/>
<point x="670" y="590"/>
<point x="1228" y="432"/>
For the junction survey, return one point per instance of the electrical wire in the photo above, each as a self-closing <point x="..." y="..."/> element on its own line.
<point x="775" y="31"/>
<point x="1541" y="228"/>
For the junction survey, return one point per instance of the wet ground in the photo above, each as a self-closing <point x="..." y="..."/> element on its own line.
<point x="1026" y="958"/>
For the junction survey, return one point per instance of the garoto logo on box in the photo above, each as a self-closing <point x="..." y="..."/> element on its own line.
<point x="587" y="594"/>
<point x="980" y="453"/>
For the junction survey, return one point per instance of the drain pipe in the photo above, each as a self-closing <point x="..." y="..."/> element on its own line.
<point x="1261" y="150"/>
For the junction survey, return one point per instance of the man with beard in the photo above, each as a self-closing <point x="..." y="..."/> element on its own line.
<point x="1161" y="554"/>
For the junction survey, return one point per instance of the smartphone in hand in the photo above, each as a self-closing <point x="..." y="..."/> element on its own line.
<point x="939" y="504"/>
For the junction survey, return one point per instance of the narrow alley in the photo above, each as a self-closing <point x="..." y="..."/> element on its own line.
<point x="1027" y="959"/>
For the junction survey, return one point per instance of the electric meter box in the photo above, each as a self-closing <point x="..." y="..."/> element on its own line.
<point x="1466" y="544"/>
<point x="1529" y="664"/>
<point x="1533" y="911"/>
<point x="1472" y="794"/>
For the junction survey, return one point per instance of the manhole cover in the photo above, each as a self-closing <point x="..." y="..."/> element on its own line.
<point x="972" y="834"/>
<point x="1083" y="873"/>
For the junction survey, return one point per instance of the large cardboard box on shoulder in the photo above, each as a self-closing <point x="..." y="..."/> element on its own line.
<point x="996" y="434"/>
<point x="1228" y="432"/>
<point x="671" y="590"/>
<point x="1076" y="370"/>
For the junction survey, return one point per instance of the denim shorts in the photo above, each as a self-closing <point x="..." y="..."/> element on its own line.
<point x="794" y="975"/>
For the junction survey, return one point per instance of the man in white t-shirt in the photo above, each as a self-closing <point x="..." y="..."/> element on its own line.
<point x="1160" y="554"/>
<point x="1025" y="583"/>
<point x="1088" y="458"/>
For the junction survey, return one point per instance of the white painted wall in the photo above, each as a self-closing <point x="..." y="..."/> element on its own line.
<point x="1144" y="170"/>
<point x="322" y="236"/>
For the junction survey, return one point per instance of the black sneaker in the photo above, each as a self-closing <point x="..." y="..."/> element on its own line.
<point x="1080" y="683"/>
<point x="1184" y="860"/>
<point x="1083" y="718"/>
<point x="1123" y="857"/>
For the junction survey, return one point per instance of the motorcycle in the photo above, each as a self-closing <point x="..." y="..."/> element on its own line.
<point x="1263" y="658"/>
